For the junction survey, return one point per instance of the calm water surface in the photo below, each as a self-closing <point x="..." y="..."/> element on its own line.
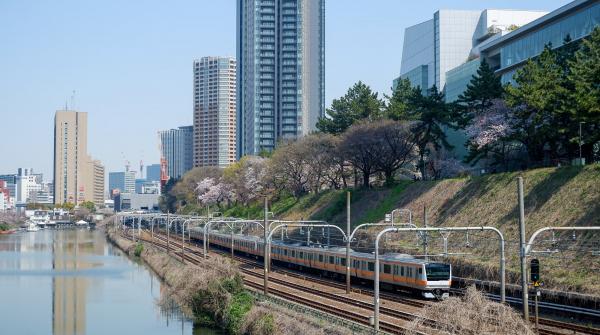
<point x="72" y="282"/>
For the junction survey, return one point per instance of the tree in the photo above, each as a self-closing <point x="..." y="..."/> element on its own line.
<point x="585" y="74"/>
<point x="481" y="91"/>
<point x="432" y="115"/>
<point x="69" y="206"/>
<point x="359" y="103"/>
<point x="489" y="135"/>
<point x="167" y="200"/>
<point x="401" y="102"/>
<point x="90" y="206"/>
<point x="359" y="147"/>
<point x="395" y="146"/>
<point x="289" y="168"/>
<point x="536" y="101"/>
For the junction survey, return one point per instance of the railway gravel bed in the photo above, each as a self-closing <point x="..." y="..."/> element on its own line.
<point x="283" y="280"/>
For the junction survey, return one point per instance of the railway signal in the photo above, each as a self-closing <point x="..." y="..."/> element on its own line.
<point x="535" y="272"/>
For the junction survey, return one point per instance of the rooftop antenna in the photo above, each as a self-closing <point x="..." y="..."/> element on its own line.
<point x="73" y="99"/>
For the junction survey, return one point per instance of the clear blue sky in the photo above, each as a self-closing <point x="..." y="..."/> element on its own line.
<point x="130" y="63"/>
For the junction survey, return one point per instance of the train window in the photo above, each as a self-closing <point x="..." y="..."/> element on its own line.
<point x="301" y="256"/>
<point x="285" y="252"/>
<point x="420" y="271"/>
<point x="356" y="264"/>
<point x="331" y="260"/>
<point x="371" y="266"/>
<point x="364" y="265"/>
<point x="387" y="268"/>
<point x="396" y="269"/>
<point x="343" y="261"/>
<point x="294" y="253"/>
<point x="402" y="271"/>
<point x="320" y="258"/>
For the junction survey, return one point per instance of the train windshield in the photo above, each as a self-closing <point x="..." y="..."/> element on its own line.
<point x="437" y="271"/>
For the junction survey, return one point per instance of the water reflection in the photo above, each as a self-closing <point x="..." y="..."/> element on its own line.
<point x="72" y="282"/>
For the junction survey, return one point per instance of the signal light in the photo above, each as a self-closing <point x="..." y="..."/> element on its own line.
<point x="535" y="271"/>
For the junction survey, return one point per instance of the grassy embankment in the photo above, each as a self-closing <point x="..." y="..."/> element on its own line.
<point x="567" y="196"/>
<point x="214" y="295"/>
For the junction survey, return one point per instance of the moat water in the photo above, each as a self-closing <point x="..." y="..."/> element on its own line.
<point x="74" y="282"/>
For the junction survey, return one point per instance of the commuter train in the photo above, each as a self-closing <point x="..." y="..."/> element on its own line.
<point x="397" y="271"/>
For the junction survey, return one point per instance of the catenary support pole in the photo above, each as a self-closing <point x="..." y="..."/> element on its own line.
<point x="425" y="241"/>
<point x="167" y="226"/>
<point x="265" y="249"/>
<point x="523" y="242"/>
<point x="348" y="224"/>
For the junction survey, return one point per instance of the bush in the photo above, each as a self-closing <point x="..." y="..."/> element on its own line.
<point x="4" y="226"/>
<point x="239" y="306"/>
<point x="138" y="249"/>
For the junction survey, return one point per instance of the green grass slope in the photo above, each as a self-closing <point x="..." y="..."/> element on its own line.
<point x="567" y="196"/>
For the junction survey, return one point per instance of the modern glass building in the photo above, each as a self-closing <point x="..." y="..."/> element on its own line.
<point x="124" y="182"/>
<point x="452" y="38"/>
<point x="280" y="71"/>
<point x="508" y="53"/>
<point x="214" y="111"/>
<point x="153" y="172"/>
<point x="177" y="148"/>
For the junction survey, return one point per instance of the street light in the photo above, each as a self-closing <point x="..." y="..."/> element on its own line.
<point x="580" y="143"/>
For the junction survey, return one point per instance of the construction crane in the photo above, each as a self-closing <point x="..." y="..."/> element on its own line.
<point x="164" y="176"/>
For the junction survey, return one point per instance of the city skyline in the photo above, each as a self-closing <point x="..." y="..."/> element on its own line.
<point x="133" y="87"/>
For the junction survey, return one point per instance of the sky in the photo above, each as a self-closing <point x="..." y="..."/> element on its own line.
<point x="130" y="65"/>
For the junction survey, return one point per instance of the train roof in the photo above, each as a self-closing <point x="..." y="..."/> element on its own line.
<point x="397" y="257"/>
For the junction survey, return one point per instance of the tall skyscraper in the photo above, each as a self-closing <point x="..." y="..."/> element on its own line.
<point x="177" y="148"/>
<point x="214" y="111"/>
<point x="76" y="175"/>
<point x="280" y="71"/>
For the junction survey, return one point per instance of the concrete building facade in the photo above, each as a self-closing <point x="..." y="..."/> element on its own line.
<point x="153" y="172"/>
<point x="177" y="147"/>
<point x="124" y="182"/>
<point x="74" y="170"/>
<point x="280" y="71"/>
<point x="214" y="111"/>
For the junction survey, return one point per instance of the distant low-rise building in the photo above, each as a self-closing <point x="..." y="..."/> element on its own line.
<point x="133" y="201"/>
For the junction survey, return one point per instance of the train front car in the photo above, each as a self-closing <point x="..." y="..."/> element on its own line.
<point x="438" y="280"/>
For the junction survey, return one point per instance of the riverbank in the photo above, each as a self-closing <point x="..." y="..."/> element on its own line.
<point x="212" y="293"/>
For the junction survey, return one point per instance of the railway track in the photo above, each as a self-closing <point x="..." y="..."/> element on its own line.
<point x="195" y="257"/>
<point x="191" y="254"/>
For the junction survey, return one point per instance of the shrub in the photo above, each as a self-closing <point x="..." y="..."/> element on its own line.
<point x="239" y="306"/>
<point x="138" y="249"/>
<point x="472" y="313"/>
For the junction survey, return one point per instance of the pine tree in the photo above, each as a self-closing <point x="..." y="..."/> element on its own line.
<point x="400" y="103"/>
<point x="585" y="75"/>
<point x="359" y="103"/>
<point x="432" y="115"/>
<point x="483" y="88"/>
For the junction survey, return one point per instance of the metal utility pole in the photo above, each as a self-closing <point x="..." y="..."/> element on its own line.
<point x="348" y="242"/>
<point x="168" y="223"/>
<point x="182" y="240"/>
<point x="266" y="250"/>
<point x="425" y="241"/>
<point x="232" y="242"/>
<point x="580" y="143"/>
<point x="524" y="286"/>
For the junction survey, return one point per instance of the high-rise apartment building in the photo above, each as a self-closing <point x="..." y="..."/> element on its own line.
<point x="214" y="111"/>
<point x="74" y="171"/>
<point x="280" y="71"/>
<point x="94" y="190"/>
<point x="177" y="148"/>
